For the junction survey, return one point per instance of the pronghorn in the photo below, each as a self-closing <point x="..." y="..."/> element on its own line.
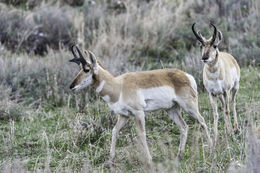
<point x="131" y="94"/>
<point x="221" y="75"/>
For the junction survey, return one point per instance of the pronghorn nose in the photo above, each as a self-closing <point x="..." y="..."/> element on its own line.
<point x="71" y="86"/>
<point x="205" y="58"/>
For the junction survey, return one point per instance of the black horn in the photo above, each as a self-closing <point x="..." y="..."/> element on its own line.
<point x="77" y="59"/>
<point x="80" y="54"/>
<point x="196" y="34"/>
<point x="214" y="34"/>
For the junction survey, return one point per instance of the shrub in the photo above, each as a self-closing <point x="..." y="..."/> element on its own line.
<point x="35" y="31"/>
<point x="140" y="31"/>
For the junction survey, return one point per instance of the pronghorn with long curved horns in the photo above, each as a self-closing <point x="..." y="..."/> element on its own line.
<point x="131" y="94"/>
<point x="221" y="75"/>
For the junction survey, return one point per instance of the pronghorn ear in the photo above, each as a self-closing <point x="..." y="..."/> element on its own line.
<point x="93" y="60"/>
<point x="201" y="36"/>
<point x="219" y="37"/>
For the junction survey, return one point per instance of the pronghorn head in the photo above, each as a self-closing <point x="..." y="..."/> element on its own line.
<point x="88" y="69"/>
<point x="209" y="47"/>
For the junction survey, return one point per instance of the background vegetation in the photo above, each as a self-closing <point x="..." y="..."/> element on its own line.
<point x="46" y="127"/>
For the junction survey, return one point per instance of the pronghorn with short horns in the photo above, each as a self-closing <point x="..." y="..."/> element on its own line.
<point x="221" y="75"/>
<point x="131" y="94"/>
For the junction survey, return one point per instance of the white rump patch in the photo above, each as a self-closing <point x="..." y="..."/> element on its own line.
<point x="192" y="82"/>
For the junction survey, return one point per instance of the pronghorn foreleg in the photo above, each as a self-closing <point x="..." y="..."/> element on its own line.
<point x="140" y="126"/>
<point x="228" y="125"/>
<point x="233" y="105"/>
<point x="213" y="101"/>
<point x="120" y="123"/>
<point x="222" y="103"/>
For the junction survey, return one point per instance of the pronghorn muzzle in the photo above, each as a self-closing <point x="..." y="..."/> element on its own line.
<point x="205" y="57"/>
<point x="72" y="85"/>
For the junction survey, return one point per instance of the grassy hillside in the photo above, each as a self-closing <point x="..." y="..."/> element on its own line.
<point x="44" y="127"/>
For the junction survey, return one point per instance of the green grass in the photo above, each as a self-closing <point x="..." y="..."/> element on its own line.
<point x="64" y="139"/>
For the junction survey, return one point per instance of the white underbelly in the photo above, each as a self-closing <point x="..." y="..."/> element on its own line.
<point x="147" y="99"/>
<point x="157" y="98"/>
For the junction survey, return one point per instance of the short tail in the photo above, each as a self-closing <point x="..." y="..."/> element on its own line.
<point x="193" y="85"/>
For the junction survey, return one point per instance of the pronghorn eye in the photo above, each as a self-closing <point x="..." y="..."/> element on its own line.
<point x="215" y="46"/>
<point x="86" y="70"/>
<point x="201" y="46"/>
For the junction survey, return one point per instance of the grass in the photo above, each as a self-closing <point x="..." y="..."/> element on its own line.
<point x="44" y="127"/>
<point x="64" y="139"/>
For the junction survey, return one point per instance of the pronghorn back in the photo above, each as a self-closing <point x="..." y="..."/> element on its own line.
<point x="157" y="89"/>
<point x="174" y="78"/>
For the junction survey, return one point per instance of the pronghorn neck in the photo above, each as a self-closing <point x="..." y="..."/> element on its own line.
<point x="213" y="66"/>
<point x="105" y="84"/>
<point x="213" y="69"/>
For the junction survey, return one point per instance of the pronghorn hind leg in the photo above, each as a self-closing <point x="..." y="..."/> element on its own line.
<point x="233" y="105"/>
<point x="174" y="113"/>
<point x="228" y="126"/>
<point x="194" y="112"/>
